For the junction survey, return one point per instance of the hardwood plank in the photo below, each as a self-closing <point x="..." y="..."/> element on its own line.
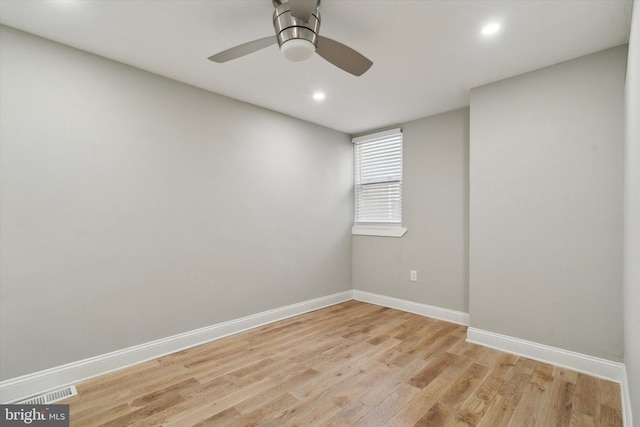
<point x="610" y="417"/>
<point x="557" y="410"/>
<point x="272" y="409"/>
<point x="525" y="365"/>
<point x="308" y="413"/>
<point x="586" y="399"/>
<point x="474" y="408"/>
<point x="426" y="345"/>
<point x="421" y="403"/>
<point x="279" y="388"/>
<point x="100" y="416"/>
<point x="534" y="396"/>
<point x="566" y="375"/>
<point x="463" y="348"/>
<point x="339" y="374"/>
<point x="464" y="386"/>
<point x="225" y="417"/>
<point x="437" y="416"/>
<point x="395" y="378"/>
<point x="453" y="372"/>
<point x="402" y="348"/>
<point x="504" y="366"/>
<point x="610" y="394"/>
<point x="382" y="412"/>
<point x="514" y="388"/>
<point x="144" y="412"/>
<point x="124" y="385"/>
<point x="582" y="420"/>
<point x="347" y="389"/>
<point x="498" y="413"/>
<point x="199" y="407"/>
<point x="487" y="356"/>
<point x="160" y="393"/>
<point x="349" y="415"/>
<point x="435" y="367"/>
<point x="327" y="360"/>
<point x="349" y="364"/>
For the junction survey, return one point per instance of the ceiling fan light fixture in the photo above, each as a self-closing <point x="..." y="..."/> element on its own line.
<point x="297" y="50"/>
<point x="297" y="38"/>
<point x="297" y="25"/>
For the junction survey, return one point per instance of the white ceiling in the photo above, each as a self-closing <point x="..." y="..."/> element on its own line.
<point x="427" y="54"/>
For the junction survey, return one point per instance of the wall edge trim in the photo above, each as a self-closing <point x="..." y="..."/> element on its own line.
<point x="427" y="310"/>
<point x="594" y="366"/>
<point x="19" y="388"/>
<point x="627" y="418"/>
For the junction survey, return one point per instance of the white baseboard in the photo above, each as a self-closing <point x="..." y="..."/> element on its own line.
<point x="17" y="389"/>
<point x="20" y="388"/>
<point x="594" y="366"/>
<point x="627" y="419"/>
<point x="446" y="314"/>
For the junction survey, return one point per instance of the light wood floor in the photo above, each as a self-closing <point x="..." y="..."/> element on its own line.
<point x="349" y="364"/>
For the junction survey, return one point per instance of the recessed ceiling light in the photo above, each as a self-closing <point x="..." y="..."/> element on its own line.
<point x="318" y="96"/>
<point x="490" y="29"/>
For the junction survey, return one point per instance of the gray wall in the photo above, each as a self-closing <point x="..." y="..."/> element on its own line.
<point x="137" y="204"/>
<point x="546" y="176"/>
<point x="632" y="218"/>
<point x="435" y="209"/>
<point x="135" y="207"/>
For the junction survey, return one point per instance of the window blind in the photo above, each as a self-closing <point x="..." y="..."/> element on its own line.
<point x="378" y="177"/>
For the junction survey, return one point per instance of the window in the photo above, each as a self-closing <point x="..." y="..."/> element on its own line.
<point x="378" y="184"/>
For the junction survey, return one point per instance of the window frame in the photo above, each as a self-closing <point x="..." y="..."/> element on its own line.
<point x="367" y="228"/>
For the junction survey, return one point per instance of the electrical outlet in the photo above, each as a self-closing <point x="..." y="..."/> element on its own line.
<point x="414" y="276"/>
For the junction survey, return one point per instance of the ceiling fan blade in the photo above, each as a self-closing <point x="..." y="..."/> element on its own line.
<point x="243" y="49"/>
<point x="302" y="9"/>
<point x="343" y="56"/>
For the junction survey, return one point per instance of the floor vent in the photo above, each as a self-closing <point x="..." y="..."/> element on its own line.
<point x="51" y="397"/>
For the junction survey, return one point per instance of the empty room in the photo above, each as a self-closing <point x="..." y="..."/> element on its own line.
<point x="320" y="212"/>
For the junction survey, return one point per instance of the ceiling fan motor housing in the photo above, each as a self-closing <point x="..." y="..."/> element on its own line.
<point x="297" y="39"/>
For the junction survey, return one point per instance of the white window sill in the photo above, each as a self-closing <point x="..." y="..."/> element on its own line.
<point x="360" y="230"/>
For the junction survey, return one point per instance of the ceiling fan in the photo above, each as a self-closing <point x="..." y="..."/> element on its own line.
<point x="297" y="25"/>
